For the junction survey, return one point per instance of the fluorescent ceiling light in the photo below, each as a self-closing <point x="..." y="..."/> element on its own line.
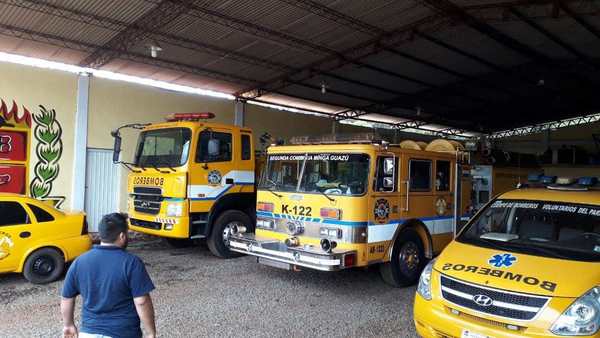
<point x="40" y="63"/>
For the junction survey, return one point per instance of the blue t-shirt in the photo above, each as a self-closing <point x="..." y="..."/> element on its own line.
<point x="108" y="278"/>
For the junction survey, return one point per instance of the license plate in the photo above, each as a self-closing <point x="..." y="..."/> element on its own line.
<point x="471" y="334"/>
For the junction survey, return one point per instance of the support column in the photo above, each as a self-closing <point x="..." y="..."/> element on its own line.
<point x="80" y="143"/>
<point x="333" y="127"/>
<point x="240" y="113"/>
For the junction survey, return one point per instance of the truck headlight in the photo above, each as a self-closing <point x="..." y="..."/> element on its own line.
<point x="424" y="287"/>
<point x="582" y="318"/>
<point x="174" y="210"/>
<point x="265" y="224"/>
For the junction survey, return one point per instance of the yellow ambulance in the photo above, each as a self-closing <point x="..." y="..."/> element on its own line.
<point x="330" y="204"/>
<point x="527" y="265"/>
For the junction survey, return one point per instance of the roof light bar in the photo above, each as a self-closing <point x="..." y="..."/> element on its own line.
<point x="189" y="116"/>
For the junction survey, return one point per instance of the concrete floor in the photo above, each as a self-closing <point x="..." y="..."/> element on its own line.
<point x="199" y="295"/>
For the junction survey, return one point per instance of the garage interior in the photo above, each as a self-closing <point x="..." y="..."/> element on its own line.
<point x="516" y="81"/>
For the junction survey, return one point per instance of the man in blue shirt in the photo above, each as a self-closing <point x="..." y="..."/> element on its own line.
<point x="114" y="285"/>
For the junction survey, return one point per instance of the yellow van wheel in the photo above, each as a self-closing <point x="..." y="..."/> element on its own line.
<point x="44" y="266"/>
<point x="407" y="260"/>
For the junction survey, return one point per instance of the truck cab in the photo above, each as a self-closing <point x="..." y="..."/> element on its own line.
<point x="190" y="179"/>
<point x="336" y="205"/>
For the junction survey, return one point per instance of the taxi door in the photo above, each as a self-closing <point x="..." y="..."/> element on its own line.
<point x="384" y="205"/>
<point x="15" y="233"/>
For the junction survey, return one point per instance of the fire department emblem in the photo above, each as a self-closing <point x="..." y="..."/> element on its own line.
<point x="214" y="177"/>
<point x="382" y="210"/>
<point x="6" y="244"/>
<point x="440" y="206"/>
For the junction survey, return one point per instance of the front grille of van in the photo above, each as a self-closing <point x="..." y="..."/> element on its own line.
<point x="504" y="304"/>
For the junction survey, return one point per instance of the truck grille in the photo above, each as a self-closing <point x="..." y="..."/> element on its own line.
<point x="147" y="200"/>
<point x="503" y="304"/>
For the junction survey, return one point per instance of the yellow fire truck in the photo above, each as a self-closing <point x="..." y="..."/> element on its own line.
<point x="191" y="179"/>
<point x="331" y="205"/>
<point x="527" y="265"/>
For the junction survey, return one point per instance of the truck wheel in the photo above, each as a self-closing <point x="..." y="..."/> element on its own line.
<point x="407" y="260"/>
<point x="44" y="266"/>
<point x="218" y="241"/>
<point x="180" y="242"/>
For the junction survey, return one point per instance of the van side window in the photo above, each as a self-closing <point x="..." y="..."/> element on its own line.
<point x="386" y="174"/>
<point x="12" y="214"/>
<point x="246" y="147"/>
<point x="213" y="147"/>
<point x="442" y="175"/>
<point x="420" y="175"/>
<point x="41" y="215"/>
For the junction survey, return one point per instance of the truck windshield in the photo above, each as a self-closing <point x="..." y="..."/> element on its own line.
<point x="163" y="147"/>
<point x="331" y="174"/>
<point x="551" y="229"/>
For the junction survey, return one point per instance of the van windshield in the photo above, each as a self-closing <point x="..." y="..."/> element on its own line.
<point x="331" y="174"/>
<point x="551" y="229"/>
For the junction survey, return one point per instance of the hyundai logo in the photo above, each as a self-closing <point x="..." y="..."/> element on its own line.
<point x="483" y="300"/>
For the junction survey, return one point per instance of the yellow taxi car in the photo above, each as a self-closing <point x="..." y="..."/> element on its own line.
<point x="527" y="265"/>
<point x="37" y="239"/>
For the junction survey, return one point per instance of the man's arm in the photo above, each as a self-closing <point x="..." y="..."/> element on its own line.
<point x="145" y="310"/>
<point x="67" y="308"/>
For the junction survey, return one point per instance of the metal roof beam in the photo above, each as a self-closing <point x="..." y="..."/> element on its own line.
<point x="449" y="71"/>
<point x="554" y="38"/>
<point x="255" y="30"/>
<point x="336" y="16"/>
<point x="455" y="11"/>
<point x="595" y="31"/>
<point x="471" y="56"/>
<point x="538" y="128"/>
<point x="62" y="42"/>
<point x="164" y="12"/>
<point x="116" y="25"/>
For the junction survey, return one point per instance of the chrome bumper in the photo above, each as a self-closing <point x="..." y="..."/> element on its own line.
<point x="301" y="256"/>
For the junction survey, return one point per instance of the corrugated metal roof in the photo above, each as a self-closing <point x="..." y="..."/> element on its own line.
<point x="343" y="42"/>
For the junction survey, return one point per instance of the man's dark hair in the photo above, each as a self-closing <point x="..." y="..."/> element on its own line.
<point x="111" y="226"/>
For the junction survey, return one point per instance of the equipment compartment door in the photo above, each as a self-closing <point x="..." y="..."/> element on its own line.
<point x="384" y="205"/>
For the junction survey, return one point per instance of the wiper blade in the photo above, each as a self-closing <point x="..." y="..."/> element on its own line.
<point x="270" y="189"/>
<point x="328" y="197"/>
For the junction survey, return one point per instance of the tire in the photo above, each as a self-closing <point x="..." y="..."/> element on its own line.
<point x="44" y="266"/>
<point x="179" y="243"/>
<point x="407" y="260"/>
<point x="217" y="241"/>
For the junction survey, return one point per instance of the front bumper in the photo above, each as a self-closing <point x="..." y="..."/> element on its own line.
<point x="174" y="227"/>
<point x="308" y="256"/>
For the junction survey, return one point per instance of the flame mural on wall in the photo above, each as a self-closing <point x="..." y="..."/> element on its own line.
<point x="15" y="143"/>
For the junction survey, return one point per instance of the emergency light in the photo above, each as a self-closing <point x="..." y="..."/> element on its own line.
<point x="587" y="181"/>
<point x="189" y="116"/>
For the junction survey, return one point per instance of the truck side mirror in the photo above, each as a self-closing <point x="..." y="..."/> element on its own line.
<point x="116" y="147"/>
<point x="388" y="166"/>
<point x="214" y="147"/>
